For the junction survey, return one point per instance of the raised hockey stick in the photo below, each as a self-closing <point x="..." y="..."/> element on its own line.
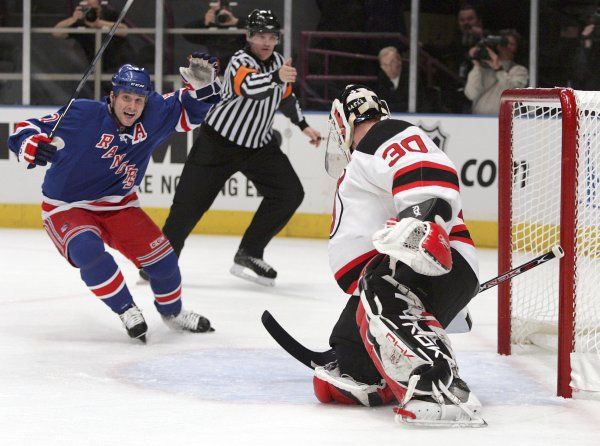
<point x="313" y="359"/>
<point x="90" y="68"/>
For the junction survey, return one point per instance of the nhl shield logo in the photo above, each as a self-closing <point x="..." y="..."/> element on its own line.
<point x="436" y="134"/>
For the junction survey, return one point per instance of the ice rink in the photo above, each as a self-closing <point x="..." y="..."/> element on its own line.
<point x="71" y="376"/>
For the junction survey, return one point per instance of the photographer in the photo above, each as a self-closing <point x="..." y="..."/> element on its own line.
<point x="92" y="14"/>
<point x="588" y="56"/>
<point x="494" y="70"/>
<point x="219" y="15"/>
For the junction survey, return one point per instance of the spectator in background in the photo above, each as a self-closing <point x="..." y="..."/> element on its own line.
<point x="219" y="15"/>
<point x="587" y="64"/>
<point x="493" y="72"/>
<point x="471" y="32"/>
<point x="91" y="14"/>
<point x="456" y="57"/>
<point x="392" y="86"/>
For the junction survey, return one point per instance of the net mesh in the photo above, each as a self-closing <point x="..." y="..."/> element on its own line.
<point x="535" y="227"/>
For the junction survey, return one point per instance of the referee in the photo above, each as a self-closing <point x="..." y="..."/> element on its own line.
<point x="237" y="136"/>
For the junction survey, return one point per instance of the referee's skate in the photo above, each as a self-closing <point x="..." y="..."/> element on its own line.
<point x="253" y="269"/>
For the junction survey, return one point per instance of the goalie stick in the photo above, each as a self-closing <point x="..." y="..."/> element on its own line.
<point x="313" y="359"/>
<point x="89" y="70"/>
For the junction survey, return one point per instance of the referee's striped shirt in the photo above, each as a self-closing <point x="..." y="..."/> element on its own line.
<point x="251" y="94"/>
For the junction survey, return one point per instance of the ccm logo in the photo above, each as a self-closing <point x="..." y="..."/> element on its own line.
<point x="394" y="341"/>
<point x="157" y="242"/>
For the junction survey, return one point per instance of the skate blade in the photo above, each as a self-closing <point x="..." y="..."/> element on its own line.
<point x="142" y="338"/>
<point x="475" y="422"/>
<point x="247" y="274"/>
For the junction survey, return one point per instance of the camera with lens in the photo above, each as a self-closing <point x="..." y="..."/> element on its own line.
<point x="90" y="14"/>
<point x="490" y="41"/>
<point x="223" y="14"/>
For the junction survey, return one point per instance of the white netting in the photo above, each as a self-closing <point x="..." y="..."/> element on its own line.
<point x="536" y="141"/>
<point x="587" y="266"/>
<point x="535" y="213"/>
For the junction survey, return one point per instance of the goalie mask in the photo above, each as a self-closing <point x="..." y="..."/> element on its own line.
<point x="358" y="103"/>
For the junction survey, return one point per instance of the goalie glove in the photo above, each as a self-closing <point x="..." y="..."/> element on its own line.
<point x="201" y="76"/>
<point x="37" y="150"/>
<point x="422" y="245"/>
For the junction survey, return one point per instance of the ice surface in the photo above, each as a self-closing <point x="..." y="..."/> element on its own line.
<point x="69" y="375"/>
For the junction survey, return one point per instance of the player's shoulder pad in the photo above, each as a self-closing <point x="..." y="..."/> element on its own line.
<point x="380" y="133"/>
<point x="84" y="108"/>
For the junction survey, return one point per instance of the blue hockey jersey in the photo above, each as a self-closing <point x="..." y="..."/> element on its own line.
<point x="100" y="166"/>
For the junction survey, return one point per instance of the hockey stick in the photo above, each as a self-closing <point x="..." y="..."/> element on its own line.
<point x="89" y="70"/>
<point x="313" y="359"/>
<point x="307" y="357"/>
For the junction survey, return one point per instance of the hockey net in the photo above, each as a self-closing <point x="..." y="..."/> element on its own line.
<point x="549" y="194"/>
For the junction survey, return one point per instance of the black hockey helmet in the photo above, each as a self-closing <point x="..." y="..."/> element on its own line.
<point x="262" y="21"/>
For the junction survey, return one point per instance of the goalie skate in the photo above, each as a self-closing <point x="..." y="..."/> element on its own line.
<point x="253" y="269"/>
<point x="455" y="406"/>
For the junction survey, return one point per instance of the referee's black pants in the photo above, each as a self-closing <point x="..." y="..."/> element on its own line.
<point x="211" y="162"/>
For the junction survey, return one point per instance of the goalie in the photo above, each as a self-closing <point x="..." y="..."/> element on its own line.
<point x="400" y="248"/>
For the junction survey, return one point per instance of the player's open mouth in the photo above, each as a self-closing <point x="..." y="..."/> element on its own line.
<point x="129" y="115"/>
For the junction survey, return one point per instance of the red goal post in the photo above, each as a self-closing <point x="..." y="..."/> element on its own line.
<point x="549" y="172"/>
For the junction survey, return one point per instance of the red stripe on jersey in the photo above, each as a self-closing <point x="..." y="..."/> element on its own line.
<point x="47" y="207"/>
<point x="354" y="263"/>
<point x="466" y="240"/>
<point x="125" y="200"/>
<point x="423" y="164"/>
<point x="22" y="124"/>
<point x="183" y="121"/>
<point x="458" y="228"/>
<point x="156" y="255"/>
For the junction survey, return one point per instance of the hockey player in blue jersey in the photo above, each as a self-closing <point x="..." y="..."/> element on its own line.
<point x="98" y="158"/>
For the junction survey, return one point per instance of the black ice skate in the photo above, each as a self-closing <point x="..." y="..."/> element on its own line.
<point x="134" y="323"/>
<point x="253" y="269"/>
<point x="188" y="321"/>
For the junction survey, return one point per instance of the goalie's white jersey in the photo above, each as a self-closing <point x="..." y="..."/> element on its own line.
<point x="395" y="166"/>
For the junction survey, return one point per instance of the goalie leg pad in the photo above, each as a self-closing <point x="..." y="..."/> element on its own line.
<point x="401" y="338"/>
<point x="413" y="353"/>
<point x="330" y="385"/>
